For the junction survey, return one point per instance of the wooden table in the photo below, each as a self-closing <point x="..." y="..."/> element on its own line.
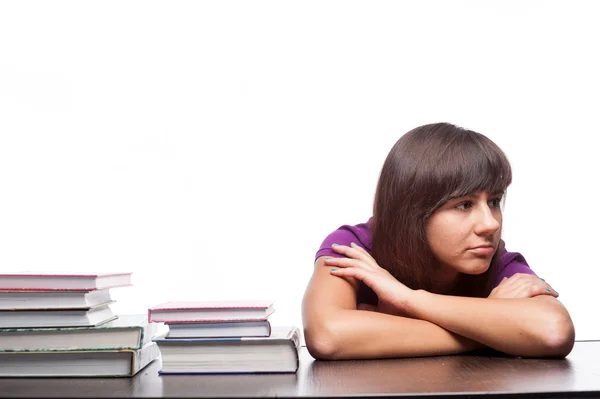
<point x="460" y="376"/>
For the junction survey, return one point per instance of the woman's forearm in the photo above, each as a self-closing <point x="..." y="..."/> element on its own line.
<point x="357" y="334"/>
<point x="535" y="327"/>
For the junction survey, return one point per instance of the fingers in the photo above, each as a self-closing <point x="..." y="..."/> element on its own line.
<point x="548" y="286"/>
<point x="366" y="276"/>
<point x="522" y="285"/>
<point x="541" y="287"/>
<point x="361" y="249"/>
<point x="518" y="279"/>
<point x="528" y="286"/>
<point x="354" y="251"/>
<point x="529" y="291"/>
<point x="345" y="262"/>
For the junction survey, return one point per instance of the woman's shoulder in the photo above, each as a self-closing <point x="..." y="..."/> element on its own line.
<point x="346" y="234"/>
<point x="510" y="263"/>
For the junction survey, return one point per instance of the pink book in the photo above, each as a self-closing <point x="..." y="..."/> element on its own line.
<point x="71" y="281"/>
<point x="211" y="311"/>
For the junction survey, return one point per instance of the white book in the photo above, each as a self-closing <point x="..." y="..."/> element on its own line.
<point x="69" y="281"/>
<point x="277" y="353"/>
<point x="100" y="363"/>
<point x="219" y="329"/>
<point x="56" y="318"/>
<point x="211" y="311"/>
<point x="14" y="300"/>
<point x="128" y="331"/>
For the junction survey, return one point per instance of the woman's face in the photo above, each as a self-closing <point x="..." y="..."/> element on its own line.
<point x="465" y="232"/>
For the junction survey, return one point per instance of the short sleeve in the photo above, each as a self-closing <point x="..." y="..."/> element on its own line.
<point x="512" y="263"/>
<point x="345" y="235"/>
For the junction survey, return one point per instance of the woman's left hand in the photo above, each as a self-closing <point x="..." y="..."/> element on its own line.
<point x="358" y="263"/>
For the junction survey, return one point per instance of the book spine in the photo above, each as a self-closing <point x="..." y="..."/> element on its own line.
<point x="142" y="357"/>
<point x="294" y="339"/>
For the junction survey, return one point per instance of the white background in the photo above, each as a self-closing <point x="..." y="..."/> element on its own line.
<point x="209" y="147"/>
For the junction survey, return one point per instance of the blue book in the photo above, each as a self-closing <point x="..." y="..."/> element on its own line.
<point x="259" y="328"/>
<point x="277" y="353"/>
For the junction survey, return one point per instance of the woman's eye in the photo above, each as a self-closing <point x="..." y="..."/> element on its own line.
<point x="495" y="203"/>
<point x="463" y="206"/>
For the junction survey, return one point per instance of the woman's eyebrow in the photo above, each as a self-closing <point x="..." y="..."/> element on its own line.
<point x="476" y="195"/>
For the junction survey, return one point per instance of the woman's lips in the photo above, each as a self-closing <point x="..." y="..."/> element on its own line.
<point x="482" y="250"/>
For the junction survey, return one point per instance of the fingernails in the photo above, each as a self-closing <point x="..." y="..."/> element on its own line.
<point x="334" y="269"/>
<point x="556" y="292"/>
<point x="352" y="244"/>
<point x="542" y="279"/>
<point x="334" y="245"/>
<point x="328" y="257"/>
<point x="548" y="289"/>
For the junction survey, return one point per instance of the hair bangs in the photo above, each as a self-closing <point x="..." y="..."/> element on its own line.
<point x="471" y="163"/>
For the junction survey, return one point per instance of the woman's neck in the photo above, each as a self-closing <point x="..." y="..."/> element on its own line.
<point x="446" y="281"/>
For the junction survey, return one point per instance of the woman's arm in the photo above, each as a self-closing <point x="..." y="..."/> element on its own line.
<point x="535" y="327"/>
<point x="335" y="329"/>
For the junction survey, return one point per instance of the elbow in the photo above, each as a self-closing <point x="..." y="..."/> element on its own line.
<point x="321" y="343"/>
<point x="559" y="336"/>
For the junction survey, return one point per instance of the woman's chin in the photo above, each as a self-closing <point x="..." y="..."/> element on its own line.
<point x="476" y="267"/>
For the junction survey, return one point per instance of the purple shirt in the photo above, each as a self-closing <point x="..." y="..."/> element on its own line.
<point x="510" y="262"/>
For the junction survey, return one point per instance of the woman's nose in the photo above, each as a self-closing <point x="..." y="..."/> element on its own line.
<point x="486" y="221"/>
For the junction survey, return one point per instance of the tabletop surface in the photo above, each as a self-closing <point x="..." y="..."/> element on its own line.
<point x="459" y="376"/>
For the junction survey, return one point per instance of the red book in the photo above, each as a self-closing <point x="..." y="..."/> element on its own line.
<point x="72" y="281"/>
<point x="210" y="311"/>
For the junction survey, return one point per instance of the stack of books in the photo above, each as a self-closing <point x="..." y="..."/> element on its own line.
<point x="62" y="325"/>
<point x="224" y="337"/>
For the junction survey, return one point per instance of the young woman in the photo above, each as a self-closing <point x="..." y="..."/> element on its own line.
<point x="428" y="274"/>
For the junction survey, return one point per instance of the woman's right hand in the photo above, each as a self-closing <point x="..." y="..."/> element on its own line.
<point x="521" y="285"/>
<point x="394" y="297"/>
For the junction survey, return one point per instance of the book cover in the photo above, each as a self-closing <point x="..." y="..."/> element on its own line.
<point x="67" y="281"/>
<point x="56" y="318"/>
<point x="39" y="300"/>
<point x="215" y="311"/>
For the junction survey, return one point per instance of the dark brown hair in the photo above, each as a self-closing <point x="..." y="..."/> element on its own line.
<point x="427" y="167"/>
